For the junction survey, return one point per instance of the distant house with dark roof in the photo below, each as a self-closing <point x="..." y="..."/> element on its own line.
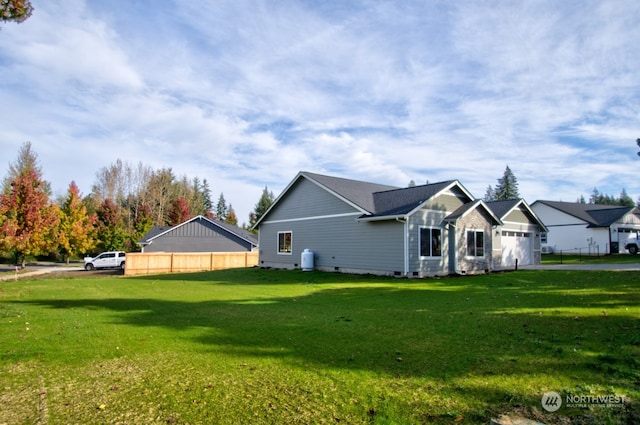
<point x="361" y="227"/>
<point x="587" y="228"/>
<point x="199" y="234"/>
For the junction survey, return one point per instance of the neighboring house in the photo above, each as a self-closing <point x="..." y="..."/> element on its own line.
<point x="361" y="227"/>
<point x="199" y="234"/>
<point x="518" y="238"/>
<point x="587" y="228"/>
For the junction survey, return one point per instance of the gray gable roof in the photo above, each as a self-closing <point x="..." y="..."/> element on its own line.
<point x="470" y="206"/>
<point x="375" y="201"/>
<point x="356" y="192"/>
<point x="158" y="231"/>
<point x="151" y="234"/>
<point x="378" y="200"/>
<point x="502" y="208"/>
<point x="403" y="201"/>
<point x="594" y="214"/>
<point x="238" y="231"/>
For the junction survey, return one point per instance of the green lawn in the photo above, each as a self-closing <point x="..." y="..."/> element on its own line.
<point x="267" y="346"/>
<point x="590" y="259"/>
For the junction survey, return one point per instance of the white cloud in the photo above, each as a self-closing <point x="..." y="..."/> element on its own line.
<point x="247" y="93"/>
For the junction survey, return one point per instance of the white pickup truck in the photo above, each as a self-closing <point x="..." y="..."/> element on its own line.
<point x="111" y="259"/>
<point x="632" y="245"/>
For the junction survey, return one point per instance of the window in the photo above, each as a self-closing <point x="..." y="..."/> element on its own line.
<point x="430" y="242"/>
<point x="284" y="242"/>
<point x="543" y="237"/>
<point x="516" y="234"/>
<point x="475" y="243"/>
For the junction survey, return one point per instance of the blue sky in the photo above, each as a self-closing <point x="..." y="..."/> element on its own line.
<point x="248" y="93"/>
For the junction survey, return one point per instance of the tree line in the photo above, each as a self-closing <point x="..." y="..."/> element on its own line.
<point x="125" y="202"/>
<point x="507" y="188"/>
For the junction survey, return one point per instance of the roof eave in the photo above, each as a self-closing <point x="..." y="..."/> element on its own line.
<point x="522" y="202"/>
<point x="448" y="187"/>
<point x="381" y="218"/>
<point x="303" y="174"/>
<point x="478" y="203"/>
<point x="198" y="217"/>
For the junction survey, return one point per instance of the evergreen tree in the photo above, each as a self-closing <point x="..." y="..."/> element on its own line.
<point x="490" y="194"/>
<point x="625" y="200"/>
<point x="600" y="198"/>
<point x="595" y="197"/>
<point x="507" y="187"/>
<point x="196" y="202"/>
<point x="264" y="203"/>
<point x="221" y="208"/>
<point x="206" y="196"/>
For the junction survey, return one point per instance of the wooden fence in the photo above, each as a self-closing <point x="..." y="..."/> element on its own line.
<point x="139" y="263"/>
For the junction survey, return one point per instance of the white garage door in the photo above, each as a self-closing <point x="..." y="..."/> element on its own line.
<point x="517" y="245"/>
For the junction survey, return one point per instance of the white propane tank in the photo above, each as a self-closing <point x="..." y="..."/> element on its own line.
<point x="307" y="260"/>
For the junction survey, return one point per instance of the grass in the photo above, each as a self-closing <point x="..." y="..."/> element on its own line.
<point x="269" y="346"/>
<point x="590" y="259"/>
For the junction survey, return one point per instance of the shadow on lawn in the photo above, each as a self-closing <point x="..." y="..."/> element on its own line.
<point x="258" y="276"/>
<point x="496" y="325"/>
<point x="470" y="334"/>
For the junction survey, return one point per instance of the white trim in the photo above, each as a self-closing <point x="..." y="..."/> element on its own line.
<point x="318" y="217"/>
<point x="303" y="174"/>
<point x="197" y="218"/>
<point x="466" y="238"/>
<point x="383" y="218"/>
<point x="444" y="191"/>
<point x="523" y="203"/>
<point x="278" y="242"/>
<point x="406" y="247"/>
<point x="429" y="257"/>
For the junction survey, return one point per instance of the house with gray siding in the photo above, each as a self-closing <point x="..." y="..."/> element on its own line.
<point x="199" y="234"/>
<point x="360" y="227"/>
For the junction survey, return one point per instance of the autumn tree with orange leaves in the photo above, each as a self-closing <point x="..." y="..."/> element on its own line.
<point x="77" y="227"/>
<point x="15" y="10"/>
<point x="28" y="220"/>
<point x="179" y="211"/>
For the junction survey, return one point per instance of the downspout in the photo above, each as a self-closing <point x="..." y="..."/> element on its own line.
<point x="452" y="227"/>
<point x="610" y="250"/>
<point x="406" y="245"/>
